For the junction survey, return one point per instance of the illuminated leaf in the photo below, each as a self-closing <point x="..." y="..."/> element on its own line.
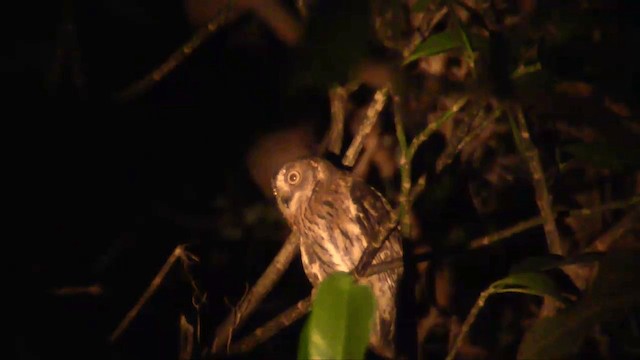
<point x="340" y="320"/>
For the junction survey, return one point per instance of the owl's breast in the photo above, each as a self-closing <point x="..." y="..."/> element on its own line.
<point x="330" y="241"/>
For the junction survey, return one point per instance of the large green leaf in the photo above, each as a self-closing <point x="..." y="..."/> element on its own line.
<point x="438" y="43"/>
<point x="340" y="320"/>
<point x="614" y="293"/>
<point x="534" y="283"/>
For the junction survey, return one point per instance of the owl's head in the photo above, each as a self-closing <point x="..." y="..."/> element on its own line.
<point x="295" y="182"/>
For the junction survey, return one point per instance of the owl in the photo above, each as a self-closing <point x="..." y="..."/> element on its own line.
<point x="336" y="216"/>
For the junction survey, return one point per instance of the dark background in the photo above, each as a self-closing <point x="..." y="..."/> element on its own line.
<point x="104" y="188"/>
<point x="98" y="178"/>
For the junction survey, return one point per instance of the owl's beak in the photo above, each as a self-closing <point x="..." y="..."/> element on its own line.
<point x="284" y="197"/>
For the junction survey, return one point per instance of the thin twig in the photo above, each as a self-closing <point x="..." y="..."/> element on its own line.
<point x="272" y="327"/>
<point x="417" y="189"/>
<point x="405" y="167"/>
<point x="265" y="283"/>
<point x="93" y="290"/>
<point x="475" y="132"/>
<point x="538" y="220"/>
<point x="448" y="156"/>
<point x="505" y="233"/>
<point x="468" y="321"/>
<point x="177" y="57"/>
<point x="153" y="287"/>
<point x="379" y="99"/>
<point x="605" y="240"/>
<point x="338" y="102"/>
<point x="434" y="126"/>
<point x="543" y="198"/>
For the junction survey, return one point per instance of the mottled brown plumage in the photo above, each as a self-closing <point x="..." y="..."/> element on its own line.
<point x="337" y="215"/>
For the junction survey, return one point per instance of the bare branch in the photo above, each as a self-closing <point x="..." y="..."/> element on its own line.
<point x="272" y="327"/>
<point x="140" y="87"/>
<point x="543" y="198"/>
<point x="538" y="220"/>
<point x="434" y="126"/>
<point x="265" y="283"/>
<point x="186" y="339"/>
<point x="373" y="111"/>
<point x="604" y="242"/>
<point x="467" y="323"/>
<point x="153" y="287"/>
<point x="93" y="290"/>
<point x="338" y="101"/>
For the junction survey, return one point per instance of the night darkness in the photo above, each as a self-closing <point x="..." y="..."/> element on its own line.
<point x="108" y="189"/>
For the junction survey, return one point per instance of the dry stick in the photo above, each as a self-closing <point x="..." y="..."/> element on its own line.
<point x="153" y="287"/>
<point x="538" y="220"/>
<point x="604" y="241"/>
<point x="434" y="126"/>
<point x="466" y="325"/>
<point x="543" y="199"/>
<point x="405" y="167"/>
<point x="265" y="283"/>
<point x="505" y="233"/>
<point x="338" y="101"/>
<point x="475" y="132"/>
<point x="272" y="327"/>
<point x="138" y="88"/>
<point x="373" y="111"/>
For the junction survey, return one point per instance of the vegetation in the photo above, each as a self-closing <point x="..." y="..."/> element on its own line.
<point x="504" y="133"/>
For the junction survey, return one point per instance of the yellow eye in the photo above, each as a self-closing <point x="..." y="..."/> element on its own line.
<point x="293" y="177"/>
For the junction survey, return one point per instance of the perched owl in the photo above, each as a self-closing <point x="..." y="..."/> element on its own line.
<point x="336" y="216"/>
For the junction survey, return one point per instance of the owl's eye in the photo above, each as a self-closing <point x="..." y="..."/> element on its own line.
<point x="293" y="177"/>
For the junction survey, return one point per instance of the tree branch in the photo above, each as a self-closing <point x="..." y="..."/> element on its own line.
<point x="248" y="304"/>
<point x="338" y="101"/>
<point x="379" y="99"/>
<point x="543" y="198"/>
<point x="153" y="287"/>
<point x="177" y="57"/>
<point x="604" y="242"/>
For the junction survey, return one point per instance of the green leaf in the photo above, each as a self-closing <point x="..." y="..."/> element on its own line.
<point x="605" y="155"/>
<point x="614" y="293"/>
<point x="534" y="283"/>
<point x="436" y="44"/>
<point x="552" y="261"/>
<point x="303" y="345"/>
<point x="340" y="320"/>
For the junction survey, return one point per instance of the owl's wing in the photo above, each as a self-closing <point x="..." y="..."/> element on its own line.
<point x="373" y="210"/>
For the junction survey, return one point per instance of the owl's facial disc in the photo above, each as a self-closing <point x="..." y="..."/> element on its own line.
<point x="288" y="187"/>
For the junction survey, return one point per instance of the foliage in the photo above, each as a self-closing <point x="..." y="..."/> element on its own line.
<point x="614" y="294"/>
<point x="340" y="320"/>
